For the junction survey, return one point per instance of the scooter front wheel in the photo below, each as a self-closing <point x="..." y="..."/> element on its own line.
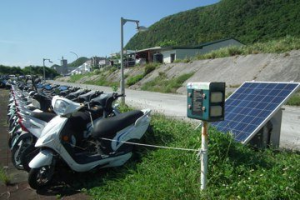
<point x="28" y="155"/>
<point x="18" y="150"/>
<point x="41" y="177"/>
<point x="15" y="157"/>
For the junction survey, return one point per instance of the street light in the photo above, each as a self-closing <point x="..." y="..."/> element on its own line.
<point x="139" y="28"/>
<point x="44" y="59"/>
<point x="74" y="54"/>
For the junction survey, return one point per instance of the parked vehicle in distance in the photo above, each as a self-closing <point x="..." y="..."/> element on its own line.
<point x="12" y="76"/>
<point x="129" y="62"/>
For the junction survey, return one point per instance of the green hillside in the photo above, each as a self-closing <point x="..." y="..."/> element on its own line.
<point x="246" y="20"/>
<point x="78" y="62"/>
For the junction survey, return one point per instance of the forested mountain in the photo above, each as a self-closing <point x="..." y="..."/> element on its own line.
<point x="246" y="20"/>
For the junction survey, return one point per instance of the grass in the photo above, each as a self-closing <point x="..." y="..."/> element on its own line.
<point x="76" y="77"/>
<point x="165" y="85"/>
<point x="235" y="171"/>
<point x="274" y="46"/>
<point x="150" y="67"/>
<point x="102" y="81"/>
<point x="134" y="79"/>
<point x="4" y="177"/>
<point x="294" y="100"/>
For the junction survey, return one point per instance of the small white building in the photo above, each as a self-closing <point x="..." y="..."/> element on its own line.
<point x="82" y="69"/>
<point x="104" y="62"/>
<point x="170" y="54"/>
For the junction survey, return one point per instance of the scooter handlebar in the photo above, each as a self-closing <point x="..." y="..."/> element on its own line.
<point x="116" y="95"/>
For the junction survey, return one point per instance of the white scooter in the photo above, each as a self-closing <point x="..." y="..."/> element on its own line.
<point x="101" y="147"/>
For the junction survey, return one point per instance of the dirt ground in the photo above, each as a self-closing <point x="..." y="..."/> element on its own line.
<point x="18" y="187"/>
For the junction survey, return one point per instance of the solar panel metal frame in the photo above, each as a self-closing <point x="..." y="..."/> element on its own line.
<point x="262" y="124"/>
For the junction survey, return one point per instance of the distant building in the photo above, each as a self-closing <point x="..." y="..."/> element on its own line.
<point x="104" y="62"/>
<point x="63" y="69"/>
<point x="170" y="54"/>
<point x="82" y="69"/>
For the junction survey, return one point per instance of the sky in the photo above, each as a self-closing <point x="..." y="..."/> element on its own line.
<point x="35" y="29"/>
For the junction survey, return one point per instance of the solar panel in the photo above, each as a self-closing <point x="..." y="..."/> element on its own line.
<point x="251" y="106"/>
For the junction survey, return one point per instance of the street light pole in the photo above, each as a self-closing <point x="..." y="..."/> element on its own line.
<point x="122" y="66"/>
<point x="139" y="28"/>
<point x="44" y="59"/>
<point x="74" y="54"/>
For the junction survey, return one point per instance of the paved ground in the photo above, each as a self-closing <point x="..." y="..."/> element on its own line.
<point x="18" y="189"/>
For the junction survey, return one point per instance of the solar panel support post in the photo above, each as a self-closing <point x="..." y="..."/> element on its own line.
<point x="204" y="154"/>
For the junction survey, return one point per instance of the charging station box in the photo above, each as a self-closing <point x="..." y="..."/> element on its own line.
<point x="206" y="101"/>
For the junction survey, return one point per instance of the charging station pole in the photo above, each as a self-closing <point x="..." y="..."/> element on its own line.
<point x="204" y="154"/>
<point x="205" y="102"/>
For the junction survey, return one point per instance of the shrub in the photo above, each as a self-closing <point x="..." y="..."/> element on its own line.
<point x="150" y="67"/>
<point x="97" y="71"/>
<point x="162" y="84"/>
<point x="134" y="79"/>
<point x="76" y="77"/>
<point x="113" y="69"/>
<point x="114" y="86"/>
<point x="4" y="176"/>
<point x="285" y="44"/>
<point x="294" y="100"/>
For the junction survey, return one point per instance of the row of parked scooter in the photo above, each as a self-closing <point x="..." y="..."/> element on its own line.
<point x="53" y="125"/>
<point x="5" y="82"/>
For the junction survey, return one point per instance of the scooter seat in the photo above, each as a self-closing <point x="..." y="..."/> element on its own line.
<point x="43" y="116"/>
<point x="108" y="127"/>
<point x="86" y="97"/>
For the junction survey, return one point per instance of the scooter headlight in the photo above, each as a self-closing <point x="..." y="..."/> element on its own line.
<point x="60" y="107"/>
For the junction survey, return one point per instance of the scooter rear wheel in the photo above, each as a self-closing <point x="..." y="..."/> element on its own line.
<point x="41" y="177"/>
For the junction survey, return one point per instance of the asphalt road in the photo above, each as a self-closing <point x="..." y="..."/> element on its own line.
<point x="174" y="105"/>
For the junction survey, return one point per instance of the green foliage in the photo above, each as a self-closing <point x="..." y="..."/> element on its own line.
<point x="186" y="60"/>
<point x="134" y="79"/>
<point x="114" y="86"/>
<point x="150" y="67"/>
<point x="125" y="108"/>
<point x="78" y="62"/>
<point x="165" y="85"/>
<point x="102" y="81"/>
<point x="4" y="177"/>
<point x="249" y="21"/>
<point x="76" y="77"/>
<point x="294" y="100"/>
<point x="96" y="72"/>
<point x="113" y="69"/>
<point x="235" y="171"/>
<point x="282" y="45"/>
<point x="167" y="43"/>
<point x="28" y="70"/>
<point x="10" y="70"/>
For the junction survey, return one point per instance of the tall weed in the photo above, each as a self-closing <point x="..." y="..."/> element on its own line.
<point x="165" y="85"/>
